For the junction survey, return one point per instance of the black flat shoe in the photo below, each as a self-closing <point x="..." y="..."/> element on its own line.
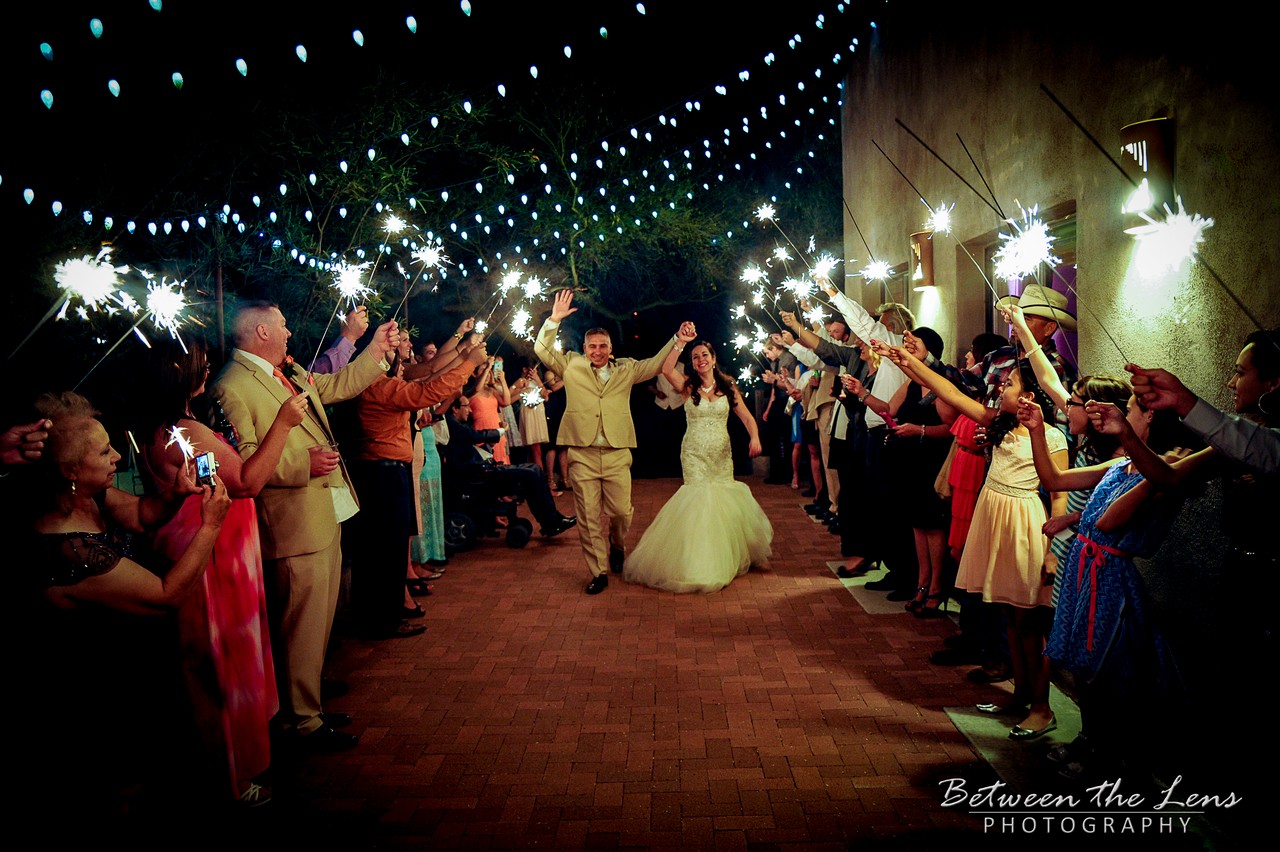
<point x="1027" y="734"/>
<point x="844" y="572"/>
<point x="415" y="611"/>
<point x="598" y="584"/>
<point x="336" y="720"/>
<point x="565" y="523"/>
<point x="325" y="740"/>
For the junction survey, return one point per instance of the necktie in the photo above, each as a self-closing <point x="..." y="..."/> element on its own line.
<point x="288" y="385"/>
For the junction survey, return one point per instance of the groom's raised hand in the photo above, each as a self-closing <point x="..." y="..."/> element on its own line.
<point x="563" y="305"/>
<point x="687" y="332"/>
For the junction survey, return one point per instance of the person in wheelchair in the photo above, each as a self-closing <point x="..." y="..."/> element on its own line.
<point x="464" y="465"/>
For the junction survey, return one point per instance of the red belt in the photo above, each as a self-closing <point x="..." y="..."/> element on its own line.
<point x="1094" y="554"/>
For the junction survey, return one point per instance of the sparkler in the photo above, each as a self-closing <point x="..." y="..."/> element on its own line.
<point x="816" y="316"/>
<point x="824" y="265"/>
<point x="520" y="324"/>
<point x="509" y="282"/>
<point x="877" y="270"/>
<point x="933" y="210"/>
<point x="939" y="220"/>
<point x="533" y="287"/>
<point x="349" y="282"/>
<point x="429" y="256"/>
<point x="1199" y="257"/>
<point x="165" y="304"/>
<point x="753" y="274"/>
<point x="1165" y="246"/>
<point x="938" y="157"/>
<point x="91" y="280"/>
<point x="983" y="177"/>
<point x="178" y="436"/>
<point x="532" y="397"/>
<point x="1022" y="252"/>
<point x="767" y="213"/>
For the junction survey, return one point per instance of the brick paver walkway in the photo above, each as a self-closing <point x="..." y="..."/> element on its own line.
<point x="773" y="713"/>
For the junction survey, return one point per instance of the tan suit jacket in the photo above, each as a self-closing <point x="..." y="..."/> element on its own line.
<point x="591" y="403"/>
<point x="295" y="510"/>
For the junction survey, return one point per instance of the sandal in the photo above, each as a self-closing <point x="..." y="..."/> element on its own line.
<point x="418" y="587"/>
<point x="917" y="603"/>
<point x="938" y="610"/>
<point x="415" y="611"/>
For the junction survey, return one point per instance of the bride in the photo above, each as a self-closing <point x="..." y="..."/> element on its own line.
<point x="712" y="529"/>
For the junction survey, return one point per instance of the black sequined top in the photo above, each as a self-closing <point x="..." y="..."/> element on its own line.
<point x="65" y="559"/>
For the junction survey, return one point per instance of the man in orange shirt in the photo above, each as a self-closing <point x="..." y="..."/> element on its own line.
<point x="381" y="468"/>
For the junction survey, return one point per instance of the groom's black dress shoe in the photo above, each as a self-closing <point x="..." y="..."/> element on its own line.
<point x="559" y="526"/>
<point x="598" y="584"/>
<point x="617" y="556"/>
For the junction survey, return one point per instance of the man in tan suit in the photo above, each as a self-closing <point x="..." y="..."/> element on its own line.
<point x="598" y="433"/>
<point x="302" y="505"/>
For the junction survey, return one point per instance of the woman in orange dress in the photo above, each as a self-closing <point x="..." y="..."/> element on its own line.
<point x="491" y="395"/>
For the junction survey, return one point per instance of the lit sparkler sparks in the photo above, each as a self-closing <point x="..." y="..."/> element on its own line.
<point x="816" y="316"/>
<point x="740" y="312"/>
<point x="178" y="435"/>
<point x="394" y="224"/>
<point x="939" y="220"/>
<point x="877" y="270"/>
<point x="745" y="377"/>
<point x="509" y="281"/>
<point x="520" y="324"/>
<point x="741" y="341"/>
<point x="1164" y="246"/>
<point x="532" y="287"/>
<point x="1022" y="252"/>
<point x="348" y="280"/>
<point x="781" y="254"/>
<point x="765" y="213"/>
<point x="481" y="326"/>
<point x="757" y="298"/>
<point x="823" y="266"/>
<point x="532" y="397"/>
<point x="165" y="304"/>
<point x="431" y="256"/>
<point x="92" y="280"/>
<point x="753" y="274"/>
<point x="801" y="288"/>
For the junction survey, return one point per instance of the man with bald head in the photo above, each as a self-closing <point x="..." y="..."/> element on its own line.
<point x="299" y="511"/>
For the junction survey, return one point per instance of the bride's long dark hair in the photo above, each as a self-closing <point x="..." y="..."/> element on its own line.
<point x="723" y="381"/>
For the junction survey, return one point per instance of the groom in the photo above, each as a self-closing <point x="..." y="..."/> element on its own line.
<point x="598" y="434"/>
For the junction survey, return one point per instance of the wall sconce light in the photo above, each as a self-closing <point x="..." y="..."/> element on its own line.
<point x="922" y="260"/>
<point x="1147" y="149"/>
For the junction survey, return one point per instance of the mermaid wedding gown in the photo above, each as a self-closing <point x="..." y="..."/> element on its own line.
<point x="712" y="529"/>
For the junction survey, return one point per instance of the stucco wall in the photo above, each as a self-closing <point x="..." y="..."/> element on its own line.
<point x="943" y="74"/>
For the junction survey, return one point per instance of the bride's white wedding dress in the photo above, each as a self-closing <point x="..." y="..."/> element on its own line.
<point x="712" y="529"/>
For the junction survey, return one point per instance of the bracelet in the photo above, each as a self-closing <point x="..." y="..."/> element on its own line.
<point x="458" y="335"/>
<point x="863" y="397"/>
<point x="1031" y="352"/>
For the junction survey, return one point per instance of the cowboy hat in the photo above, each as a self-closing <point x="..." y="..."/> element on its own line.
<point x="1044" y="302"/>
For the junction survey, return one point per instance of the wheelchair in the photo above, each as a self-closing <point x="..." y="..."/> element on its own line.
<point x="472" y="506"/>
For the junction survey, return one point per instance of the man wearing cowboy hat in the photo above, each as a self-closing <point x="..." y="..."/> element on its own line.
<point x="1046" y="312"/>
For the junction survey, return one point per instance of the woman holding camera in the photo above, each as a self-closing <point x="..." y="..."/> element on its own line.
<point x="226" y="651"/>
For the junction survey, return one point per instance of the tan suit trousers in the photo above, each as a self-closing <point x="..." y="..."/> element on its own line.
<point x="601" y="478"/>
<point x="302" y="594"/>
<point x="824" y="443"/>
